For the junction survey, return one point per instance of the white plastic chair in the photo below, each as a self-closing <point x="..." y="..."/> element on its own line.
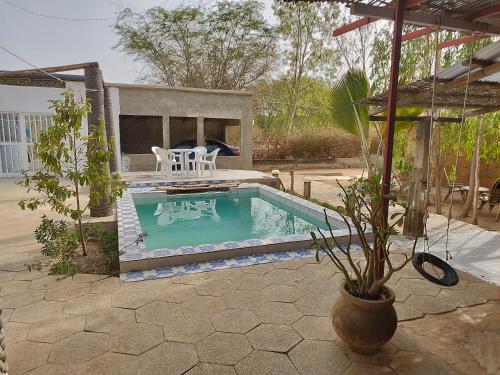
<point x="199" y="153"/>
<point x="166" y="159"/>
<point x="209" y="160"/>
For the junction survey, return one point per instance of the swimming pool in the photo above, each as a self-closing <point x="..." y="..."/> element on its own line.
<point x="189" y="228"/>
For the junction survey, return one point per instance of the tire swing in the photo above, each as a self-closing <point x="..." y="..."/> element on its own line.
<point x="449" y="275"/>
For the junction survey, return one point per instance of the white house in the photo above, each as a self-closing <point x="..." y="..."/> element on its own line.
<point x="143" y="116"/>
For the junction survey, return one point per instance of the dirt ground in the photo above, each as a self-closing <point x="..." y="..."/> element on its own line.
<point x="325" y="186"/>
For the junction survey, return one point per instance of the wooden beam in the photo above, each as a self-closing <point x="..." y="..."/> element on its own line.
<point x="457" y="82"/>
<point x="463" y="40"/>
<point x="51" y="69"/>
<point x="417" y="118"/>
<point x="427" y="20"/>
<point x="352" y="26"/>
<point x="482" y="111"/>
<point x="366" y="20"/>
<point x="484" y="12"/>
<point x="418" y="33"/>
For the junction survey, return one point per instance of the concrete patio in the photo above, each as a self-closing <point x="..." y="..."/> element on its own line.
<point x="262" y="319"/>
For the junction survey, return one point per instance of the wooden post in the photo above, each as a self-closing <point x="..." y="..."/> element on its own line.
<point x="110" y="130"/>
<point x="95" y="92"/>
<point x="417" y="200"/>
<point x="307" y="187"/>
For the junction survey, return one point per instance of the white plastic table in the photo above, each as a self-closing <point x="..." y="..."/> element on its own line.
<point x="183" y="154"/>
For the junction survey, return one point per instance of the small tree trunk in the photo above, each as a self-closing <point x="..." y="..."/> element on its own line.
<point x="474" y="164"/>
<point x="95" y="92"/>
<point x="110" y="130"/>
<point x="476" y="192"/>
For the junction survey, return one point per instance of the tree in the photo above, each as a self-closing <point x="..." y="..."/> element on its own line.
<point x="352" y="117"/>
<point x="66" y="168"/>
<point x="306" y="30"/>
<point x="227" y="46"/>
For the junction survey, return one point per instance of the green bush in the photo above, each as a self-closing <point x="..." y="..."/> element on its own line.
<point x="59" y="241"/>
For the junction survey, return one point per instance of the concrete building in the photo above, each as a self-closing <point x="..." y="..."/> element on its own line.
<point x="144" y="116"/>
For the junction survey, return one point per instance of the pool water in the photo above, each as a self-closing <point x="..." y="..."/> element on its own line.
<point x="195" y="219"/>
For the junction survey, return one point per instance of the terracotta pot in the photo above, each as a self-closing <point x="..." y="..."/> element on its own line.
<point x="365" y="325"/>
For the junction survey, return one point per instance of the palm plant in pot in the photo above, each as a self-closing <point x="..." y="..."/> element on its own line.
<point x="364" y="315"/>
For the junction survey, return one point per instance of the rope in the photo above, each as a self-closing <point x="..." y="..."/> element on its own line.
<point x="3" y="358"/>
<point x="448" y="254"/>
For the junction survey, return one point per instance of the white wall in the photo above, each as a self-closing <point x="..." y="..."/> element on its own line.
<point x="28" y="99"/>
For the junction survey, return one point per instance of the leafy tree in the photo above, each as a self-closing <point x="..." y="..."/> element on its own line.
<point x="66" y="168"/>
<point x="305" y="29"/>
<point x="351" y="117"/>
<point x="227" y="46"/>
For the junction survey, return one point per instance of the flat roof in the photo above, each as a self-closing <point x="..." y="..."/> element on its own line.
<point x="175" y="88"/>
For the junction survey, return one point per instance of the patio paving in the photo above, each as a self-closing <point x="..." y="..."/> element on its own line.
<point x="262" y="319"/>
<point x="195" y="324"/>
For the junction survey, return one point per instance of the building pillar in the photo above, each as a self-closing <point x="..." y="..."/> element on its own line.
<point x="200" y="131"/>
<point x="110" y="130"/>
<point x="417" y="197"/>
<point x="166" y="131"/>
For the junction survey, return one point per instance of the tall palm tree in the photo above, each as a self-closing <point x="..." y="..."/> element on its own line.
<point x="351" y="117"/>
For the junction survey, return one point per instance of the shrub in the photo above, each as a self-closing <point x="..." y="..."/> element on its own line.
<point x="108" y="243"/>
<point x="59" y="241"/>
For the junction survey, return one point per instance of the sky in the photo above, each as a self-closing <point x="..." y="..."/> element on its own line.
<point x="48" y="41"/>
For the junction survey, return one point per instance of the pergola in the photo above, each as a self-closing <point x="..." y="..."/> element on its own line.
<point x="478" y="18"/>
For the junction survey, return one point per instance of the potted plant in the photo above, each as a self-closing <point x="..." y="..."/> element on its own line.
<point x="364" y="315"/>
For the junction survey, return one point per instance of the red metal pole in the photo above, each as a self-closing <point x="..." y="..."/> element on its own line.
<point x="391" y="117"/>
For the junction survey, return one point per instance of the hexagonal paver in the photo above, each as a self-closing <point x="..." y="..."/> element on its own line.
<point x="410" y="363"/>
<point x="273" y="337"/>
<point x="47" y="282"/>
<point x="67" y="291"/>
<point x="13" y="286"/>
<point x="319" y="358"/>
<point x="167" y="358"/>
<point x="315" y="328"/>
<point x="243" y="299"/>
<point x="25" y="356"/>
<point x="419" y="286"/>
<point x="278" y="313"/>
<point x="282" y="293"/>
<point x="252" y="281"/>
<point x="235" y="321"/>
<point x="203" y="305"/>
<point x="285" y="276"/>
<point x="192" y="278"/>
<point x="88" y="277"/>
<point x="158" y="312"/>
<point x="430" y="305"/>
<point x="189" y="328"/>
<point x="15" y="332"/>
<point x="136" y="338"/>
<point x="54" y="330"/>
<point x="36" y="312"/>
<point x="362" y="368"/>
<point x="315" y="305"/>
<point x="79" y="348"/>
<point x="109" y="285"/>
<point x="87" y="304"/>
<point x="460" y="298"/>
<point x="320" y="287"/>
<point x="223" y="348"/>
<point x="215" y="287"/>
<point x="22" y="298"/>
<point x="485" y="290"/>
<point x="132" y="298"/>
<point x="265" y="363"/>
<point x="55" y="369"/>
<point x="227" y="274"/>
<point x="407" y="312"/>
<point x="176" y="293"/>
<point x="109" y="320"/>
<point x="291" y="264"/>
<point x="26" y="275"/>
<point x="260" y="269"/>
<point x="111" y="364"/>
<point x="211" y="369"/>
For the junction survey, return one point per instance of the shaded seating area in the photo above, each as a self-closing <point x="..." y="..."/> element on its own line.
<point x="492" y="198"/>
<point x="185" y="162"/>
